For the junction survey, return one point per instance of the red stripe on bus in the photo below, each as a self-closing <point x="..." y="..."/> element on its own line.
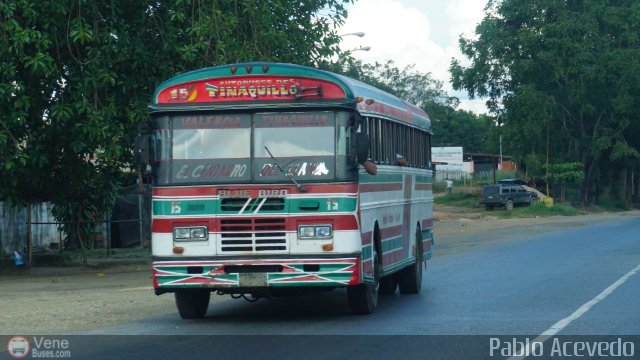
<point x="427" y="224"/>
<point x="213" y="190"/>
<point x="340" y="222"/>
<point x="366" y="238"/>
<point x="393" y="256"/>
<point x="423" y="186"/>
<point x="364" y="188"/>
<point x="379" y="107"/>
<point x="390" y="232"/>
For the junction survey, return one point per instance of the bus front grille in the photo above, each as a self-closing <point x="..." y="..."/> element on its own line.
<point x="252" y="235"/>
<point x="241" y="205"/>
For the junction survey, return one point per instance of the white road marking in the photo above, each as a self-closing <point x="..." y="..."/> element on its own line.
<point x="557" y="327"/>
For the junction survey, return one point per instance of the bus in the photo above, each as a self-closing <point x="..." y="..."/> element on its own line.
<point x="272" y="179"/>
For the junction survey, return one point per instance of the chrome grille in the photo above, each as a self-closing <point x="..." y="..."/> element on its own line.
<point x="253" y="235"/>
<point x="251" y="205"/>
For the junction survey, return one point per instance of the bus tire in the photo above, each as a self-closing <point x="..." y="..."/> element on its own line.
<point x="363" y="298"/>
<point x="192" y="303"/>
<point x="388" y="285"/>
<point x="410" y="278"/>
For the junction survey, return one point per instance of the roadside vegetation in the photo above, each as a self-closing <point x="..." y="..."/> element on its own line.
<point x="458" y="199"/>
<point x="536" y="210"/>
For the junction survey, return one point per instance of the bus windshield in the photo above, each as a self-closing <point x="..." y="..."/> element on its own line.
<point x="215" y="148"/>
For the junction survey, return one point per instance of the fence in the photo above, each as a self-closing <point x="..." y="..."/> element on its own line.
<point x="126" y="225"/>
<point x="14" y="229"/>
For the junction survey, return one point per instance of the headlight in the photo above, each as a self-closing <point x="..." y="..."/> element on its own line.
<point x="198" y="233"/>
<point x="181" y="233"/>
<point x="195" y="233"/>
<point x="315" y="231"/>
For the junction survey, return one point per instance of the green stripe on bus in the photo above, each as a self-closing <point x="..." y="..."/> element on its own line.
<point x="290" y="206"/>
<point x="391" y="244"/>
<point x="184" y="207"/>
<point x="381" y="178"/>
<point x="424" y="179"/>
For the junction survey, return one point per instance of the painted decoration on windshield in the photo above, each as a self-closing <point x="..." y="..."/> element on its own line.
<point x="204" y="170"/>
<point x="249" y="88"/>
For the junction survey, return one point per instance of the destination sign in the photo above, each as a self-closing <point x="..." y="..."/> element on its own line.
<point x="249" y="88"/>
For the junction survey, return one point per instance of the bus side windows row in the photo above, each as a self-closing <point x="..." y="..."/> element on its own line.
<point x="389" y="139"/>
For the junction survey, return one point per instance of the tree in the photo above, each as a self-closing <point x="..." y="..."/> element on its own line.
<point x="76" y="78"/>
<point x="563" y="72"/>
<point x="564" y="173"/>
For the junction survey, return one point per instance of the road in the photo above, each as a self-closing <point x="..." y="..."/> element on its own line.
<point x="518" y="287"/>
<point x="579" y="281"/>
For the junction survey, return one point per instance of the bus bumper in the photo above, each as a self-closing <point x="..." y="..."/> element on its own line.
<point x="238" y="275"/>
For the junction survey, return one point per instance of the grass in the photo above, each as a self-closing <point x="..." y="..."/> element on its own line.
<point x="117" y="253"/>
<point x="536" y="210"/>
<point x="74" y="258"/>
<point x="459" y="199"/>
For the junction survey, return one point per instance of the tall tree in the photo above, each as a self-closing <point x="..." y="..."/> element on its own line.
<point x="564" y="73"/>
<point x="76" y="78"/>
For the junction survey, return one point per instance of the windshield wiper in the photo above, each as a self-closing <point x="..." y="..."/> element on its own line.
<point x="275" y="162"/>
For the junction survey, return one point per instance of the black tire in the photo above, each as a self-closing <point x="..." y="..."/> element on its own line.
<point x="192" y="303"/>
<point x="509" y="205"/>
<point x="363" y="298"/>
<point x="533" y="200"/>
<point x="410" y="279"/>
<point x="388" y="285"/>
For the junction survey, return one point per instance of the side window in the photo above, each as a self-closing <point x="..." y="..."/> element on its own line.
<point x="505" y="190"/>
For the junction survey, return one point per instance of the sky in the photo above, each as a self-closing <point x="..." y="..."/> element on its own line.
<point x="420" y="32"/>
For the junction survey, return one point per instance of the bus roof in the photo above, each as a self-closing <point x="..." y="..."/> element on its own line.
<point x="261" y="85"/>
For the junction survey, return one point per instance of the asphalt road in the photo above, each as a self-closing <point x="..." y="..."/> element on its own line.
<point x="580" y="281"/>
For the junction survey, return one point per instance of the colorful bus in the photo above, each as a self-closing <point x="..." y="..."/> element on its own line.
<point x="271" y="179"/>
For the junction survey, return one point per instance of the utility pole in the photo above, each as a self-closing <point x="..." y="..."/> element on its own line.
<point x="547" y="176"/>
<point x="501" y="167"/>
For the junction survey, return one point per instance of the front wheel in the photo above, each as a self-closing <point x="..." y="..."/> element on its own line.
<point x="533" y="200"/>
<point x="192" y="303"/>
<point x="363" y="298"/>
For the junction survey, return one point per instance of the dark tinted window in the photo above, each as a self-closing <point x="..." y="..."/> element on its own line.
<point x="490" y="190"/>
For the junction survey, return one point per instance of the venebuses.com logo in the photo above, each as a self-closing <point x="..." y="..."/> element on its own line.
<point x="38" y="347"/>
<point x="18" y="347"/>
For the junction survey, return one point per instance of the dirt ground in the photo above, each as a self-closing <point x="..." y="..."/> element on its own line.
<point x="69" y="300"/>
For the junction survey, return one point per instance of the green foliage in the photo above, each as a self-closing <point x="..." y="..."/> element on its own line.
<point x="563" y="73"/>
<point x="76" y="78"/>
<point x="565" y="172"/>
<point x="458" y="199"/>
<point x="536" y="210"/>
<point x="455" y="127"/>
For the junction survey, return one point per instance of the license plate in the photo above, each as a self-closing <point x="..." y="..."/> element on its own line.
<point x="253" y="279"/>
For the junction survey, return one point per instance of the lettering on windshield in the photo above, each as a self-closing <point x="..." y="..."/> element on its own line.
<point x="293" y="120"/>
<point x="191" y="171"/>
<point x="296" y="169"/>
<point x="208" y="122"/>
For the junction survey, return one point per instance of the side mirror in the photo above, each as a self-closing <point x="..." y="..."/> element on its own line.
<point x="141" y="149"/>
<point x="362" y="147"/>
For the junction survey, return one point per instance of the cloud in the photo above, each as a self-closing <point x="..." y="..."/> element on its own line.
<point x="402" y="31"/>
